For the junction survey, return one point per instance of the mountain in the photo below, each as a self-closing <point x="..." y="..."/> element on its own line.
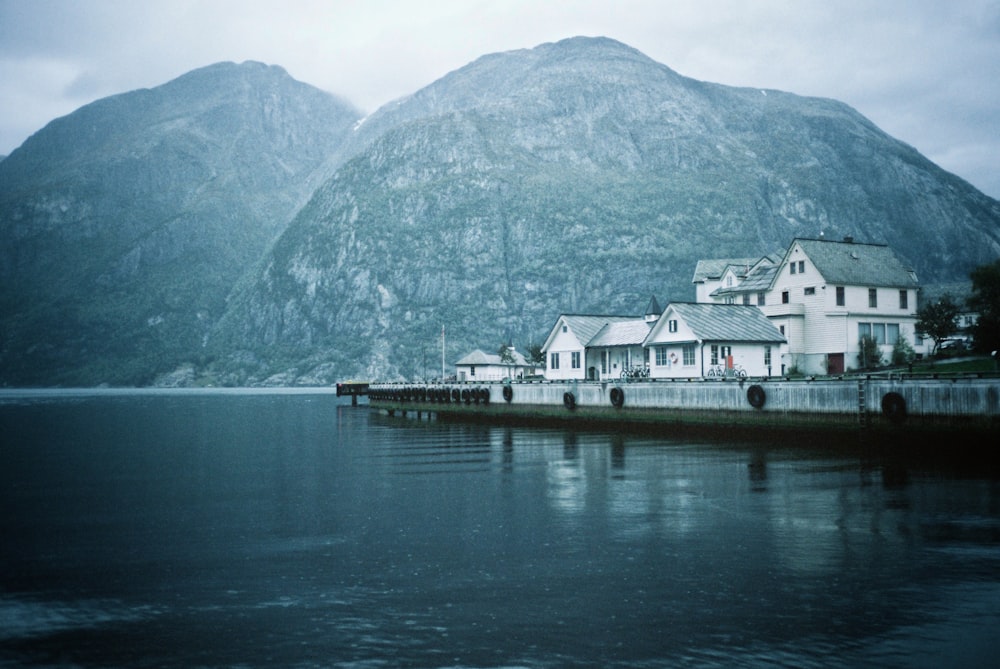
<point x="579" y="176"/>
<point x="235" y="226"/>
<point x="127" y="223"/>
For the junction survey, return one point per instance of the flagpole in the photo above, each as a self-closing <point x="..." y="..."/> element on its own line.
<point x="442" y="353"/>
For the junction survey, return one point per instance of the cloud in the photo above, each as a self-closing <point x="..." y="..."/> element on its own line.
<point x="925" y="71"/>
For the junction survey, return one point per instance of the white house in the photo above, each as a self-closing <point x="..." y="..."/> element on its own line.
<point x="566" y="347"/>
<point x="823" y="296"/>
<point x="694" y="340"/>
<point x="480" y="366"/>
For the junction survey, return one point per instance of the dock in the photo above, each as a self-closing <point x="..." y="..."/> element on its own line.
<point x="901" y="405"/>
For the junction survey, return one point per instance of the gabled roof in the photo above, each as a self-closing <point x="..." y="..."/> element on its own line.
<point x="715" y="268"/>
<point x="478" y="357"/>
<point x="760" y="278"/>
<point x="725" y="322"/>
<point x="586" y="327"/>
<point x="854" y="264"/>
<point x="622" y="333"/>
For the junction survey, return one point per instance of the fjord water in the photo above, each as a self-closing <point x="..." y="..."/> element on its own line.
<point x="279" y="529"/>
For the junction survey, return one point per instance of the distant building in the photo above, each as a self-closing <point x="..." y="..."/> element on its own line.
<point x="480" y="366"/>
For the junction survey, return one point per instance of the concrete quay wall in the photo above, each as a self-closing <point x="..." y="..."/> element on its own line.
<point x="849" y="403"/>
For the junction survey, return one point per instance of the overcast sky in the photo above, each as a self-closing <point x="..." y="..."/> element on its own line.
<point x="925" y="71"/>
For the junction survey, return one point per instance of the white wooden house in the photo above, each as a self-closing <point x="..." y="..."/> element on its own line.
<point x="826" y="294"/>
<point x="481" y="366"/>
<point x="566" y="347"/>
<point x="823" y="295"/>
<point x="696" y="340"/>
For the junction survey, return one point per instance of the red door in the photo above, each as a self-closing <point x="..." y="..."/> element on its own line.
<point x="835" y="363"/>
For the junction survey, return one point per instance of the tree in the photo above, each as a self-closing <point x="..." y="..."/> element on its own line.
<point x="985" y="300"/>
<point x="536" y="356"/>
<point x="938" y="320"/>
<point x="902" y="352"/>
<point x="507" y="356"/>
<point x="869" y="352"/>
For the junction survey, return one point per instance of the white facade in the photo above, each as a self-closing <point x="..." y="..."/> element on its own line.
<point x="822" y="296"/>
<point x="824" y="320"/>
<point x="564" y="354"/>
<point x="692" y="341"/>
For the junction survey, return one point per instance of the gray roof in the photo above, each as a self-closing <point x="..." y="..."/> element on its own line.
<point x="759" y="279"/>
<point x="586" y="327"/>
<point x="478" y="357"/>
<point x="727" y="322"/>
<point x="854" y="264"/>
<point x="715" y="268"/>
<point x="622" y="333"/>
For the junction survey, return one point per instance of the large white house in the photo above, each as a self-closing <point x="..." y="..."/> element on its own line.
<point x="823" y="296"/>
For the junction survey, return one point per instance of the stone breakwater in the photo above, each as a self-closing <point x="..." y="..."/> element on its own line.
<point x="867" y="403"/>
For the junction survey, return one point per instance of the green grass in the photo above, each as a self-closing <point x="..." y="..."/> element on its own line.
<point x="979" y="364"/>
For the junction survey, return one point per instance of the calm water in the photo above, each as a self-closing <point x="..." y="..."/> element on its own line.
<point x="280" y="530"/>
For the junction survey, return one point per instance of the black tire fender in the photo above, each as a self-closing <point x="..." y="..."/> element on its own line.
<point x="894" y="407"/>
<point x="756" y="396"/>
<point x="617" y="397"/>
<point x="508" y="393"/>
<point x="569" y="400"/>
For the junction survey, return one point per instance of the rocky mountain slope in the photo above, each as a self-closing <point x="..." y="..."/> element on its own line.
<point x="146" y="233"/>
<point x="575" y="177"/>
<point x="126" y="224"/>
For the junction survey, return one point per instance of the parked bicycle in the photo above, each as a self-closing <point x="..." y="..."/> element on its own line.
<point x="635" y="373"/>
<point x="718" y="371"/>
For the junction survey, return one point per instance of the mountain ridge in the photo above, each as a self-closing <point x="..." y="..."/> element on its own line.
<point x="576" y="176"/>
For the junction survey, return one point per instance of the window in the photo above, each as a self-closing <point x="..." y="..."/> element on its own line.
<point x="729" y="282"/>
<point x="565" y="329"/>
<point x="661" y="356"/>
<point x="746" y="299"/>
<point x="672" y="325"/>
<point x="802" y="267"/>
<point x="781" y="329"/>
<point x="791" y="268"/>
<point x="883" y="333"/>
<point x="810" y="290"/>
<point x="872" y="297"/>
<point x="904" y="299"/>
<point x="472" y="370"/>
<point x="784" y="297"/>
<point x="574" y="360"/>
<point x="767" y="356"/>
<point x="840" y="296"/>
<point x="604" y="362"/>
<point x="715" y="354"/>
<point x="688" y="355"/>
<point x="760" y="299"/>
<point x="553" y="361"/>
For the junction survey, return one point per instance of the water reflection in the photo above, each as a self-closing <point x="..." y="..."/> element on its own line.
<point x="311" y="535"/>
